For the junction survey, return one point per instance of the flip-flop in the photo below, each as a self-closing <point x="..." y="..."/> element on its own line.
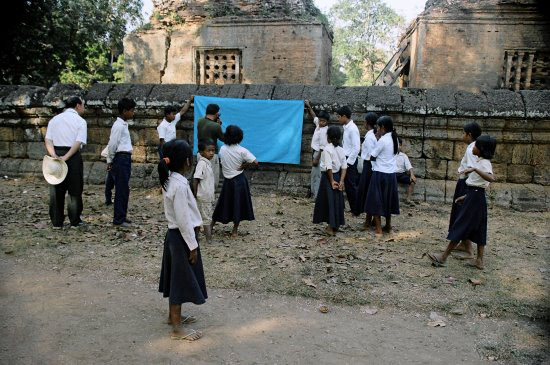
<point x="473" y="264"/>
<point x="190" y="337"/>
<point x="188" y="319"/>
<point x="461" y="255"/>
<point x="435" y="260"/>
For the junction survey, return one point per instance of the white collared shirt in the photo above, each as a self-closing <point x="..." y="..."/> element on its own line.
<point x="333" y="158"/>
<point x="319" y="140"/>
<point x="468" y="160"/>
<point x="67" y="128"/>
<point x="402" y="163"/>
<point x="204" y="172"/>
<point x="351" y="142"/>
<point x="474" y="179"/>
<point x="180" y="209"/>
<point x="232" y="157"/>
<point x="368" y="145"/>
<point x="385" y="158"/>
<point x="167" y="130"/>
<point x="119" y="141"/>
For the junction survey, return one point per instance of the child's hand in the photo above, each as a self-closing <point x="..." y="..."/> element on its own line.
<point x="469" y="170"/>
<point x="109" y="166"/>
<point x="315" y="162"/>
<point x="341" y="186"/>
<point x="335" y="185"/>
<point x="193" y="257"/>
<point x="413" y="179"/>
<point x="307" y="103"/>
<point x="460" y="200"/>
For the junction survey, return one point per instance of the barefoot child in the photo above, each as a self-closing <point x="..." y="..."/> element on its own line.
<point x="471" y="220"/>
<point x="203" y="184"/>
<point x="329" y="204"/>
<point x="366" y="148"/>
<point x="181" y="276"/>
<point x="234" y="203"/>
<point x="382" y="196"/>
<point x="318" y="143"/>
<point x="404" y="171"/>
<point x="471" y="132"/>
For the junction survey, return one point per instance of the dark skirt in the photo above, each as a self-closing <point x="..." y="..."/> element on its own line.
<point x="179" y="280"/>
<point x="403" y="178"/>
<point x="329" y="204"/>
<point x="234" y="204"/>
<point x="471" y="220"/>
<point x="382" y="196"/>
<point x="363" y="188"/>
<point x="460" y="190"/>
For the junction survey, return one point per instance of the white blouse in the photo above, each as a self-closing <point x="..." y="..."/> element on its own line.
<point x="333" y="158"/>
<point x="232" y="157"/>
<point x="474" y="179"/>
<point x="385" y="158"/>
<point x="319" y="140"/>
<point x="167" y="130"/>
<point x="468" y="160"/>
<point x="119" y="140"/>
<point x="368" y="145"/>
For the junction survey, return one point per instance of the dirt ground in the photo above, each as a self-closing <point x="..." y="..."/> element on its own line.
<point x="89" y="294"/>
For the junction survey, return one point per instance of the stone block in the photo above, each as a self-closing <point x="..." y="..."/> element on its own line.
<point x="5" y="91"/>
<point x="499" y="195"/>
<point x="517" y="130"/>
<point x="162" y="95"/>
<point x="503" y="153"/>
<point x="139" y="154"/>
<point x="92" y="152"/>
<point x="436" y="169"/>
<point x="384" y="98"/>
<point x="414" y="101"/>
<point x="270" y="178"/>
<point x="470" y="104"/>
<point x="456" y="127"/>
<point x="118" y="92"/>
<point x="441" y="101"/>
<point x="152" y="154"/>
<point x="97" y="172"/>
<point x="148" y="137"/>
<point x="184" y="93"/>
<point x="36" y="150"/>
<point x="435" y="191"/>
<point x="494" y="128"/>
<point x="528" y="197"/>
<point x="408" y="125"/>
<point x="4" y="149"/>
<point x="26" y="96"/>
<point x="542" y="175"/>
<point x="6" y="134"/>
<point x="260" y="92"/>
<point x="288" y="92"/>
<point x="33" y="135"/>
<point x="208" y="90"/>
<point x="450" y="186"/>
<point x="540" y="154"/>
<point x="419" y="167"/>
<point x="87" y="166"/>
<point x="355" y="97"/>
<point x="18" y="150"/>
<point x="537" y="103"/>
<point x="505" y="103"/>
<point x="521" y="154"/>
<point x="436" y="128"/>
<point x="459" y="150"/>
<point x="412" y="147"/>
<point x="97" y="94"/>
<point x="99" y="136"/>
<point x="30" y="167"/>
<point x="235" y="91"/>
<point x="452" y="170"/>
<point x="10" y="167"/>
<point x="139" y="93"/>
<point x="322" y="96"/>
<point x="500" y="171"/>
<point x="135" y="136"/>
<point x="541" y="131"/>
<point x="440" y="149"/>
<point x="520" y="174"/>
<point x="59" y="93"/>
<point x="419" y="192"/>
<point x="294" y="183"/>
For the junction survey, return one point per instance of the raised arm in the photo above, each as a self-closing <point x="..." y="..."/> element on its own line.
<point x="310" y="109"/>
<point x="187" y="105"/>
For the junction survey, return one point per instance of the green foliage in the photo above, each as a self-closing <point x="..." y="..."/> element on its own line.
<point x="118" y="69"/>
<point x="365" y="32"/>
<point x="57" y="40"/>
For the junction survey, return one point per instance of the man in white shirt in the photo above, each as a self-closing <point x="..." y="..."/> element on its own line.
<point x="65" y="135"/>
<point x="318" y="143"/>
<point x="352" y="146"/>
<point x="119" y="160"/>
<point x="167" y="128"/>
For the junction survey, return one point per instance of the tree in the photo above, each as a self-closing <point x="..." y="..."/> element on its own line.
<point x="44" y="41"/>
<point x="365" y="31"/>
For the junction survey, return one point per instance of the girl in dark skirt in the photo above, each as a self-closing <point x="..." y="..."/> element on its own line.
<point x="234" y="204"/>
<point x="382" y="196"/>
<point x="329" y="204"/>
<point x="471" y="132"/>
<point x="182" y="275"/>
<point x="471" y="220"/>
<point x="366" y="148"/>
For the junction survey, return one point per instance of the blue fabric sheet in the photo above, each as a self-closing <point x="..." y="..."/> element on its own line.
<point x="272" y="128"/>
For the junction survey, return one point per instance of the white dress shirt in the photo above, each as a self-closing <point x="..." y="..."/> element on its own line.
<point x="232" y="157"/>
<point x="180" y="209"/>
<point x="383" y="151"/>
<point x="167" y="130"/>
<point x="67" y="128"/>
<point x="352" y="142"/>
<point x="474" y="179"/>
<point x="319" y="140"/>
<point x="119" y="141"/>
<point x="368" y="145"/>
<point x="468" y="160"/>
<point x="333" y="158"/>
<point x="204" y="172"/>
<point x="402" y="163"/>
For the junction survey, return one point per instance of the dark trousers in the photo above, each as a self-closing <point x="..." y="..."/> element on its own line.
<point x="74" y="185"/>
<point x="121" y="169"/>
<point x="351" y="182"/>
<point x="109" y="185"/>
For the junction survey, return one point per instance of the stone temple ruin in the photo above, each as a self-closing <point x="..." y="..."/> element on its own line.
<point x="474" y="46"/>
<point x="230" y="42"/>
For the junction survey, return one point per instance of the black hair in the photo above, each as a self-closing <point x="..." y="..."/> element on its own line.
<point x="399" y="140"/>
<point x="386" y="122"/>
<point x="473" y="129"/>
<point x="125" y="104"/>
<point x="371" y="119"/>
<point x="344" y="110"/>
<point x="169" y="110"/>
<point x="205" y="142"/>
<point x="233" y="135"/>
<point x="73" y="101"/>
<point x="334" y="135"/>
<point x="324" y="115"/>
<point x="177" y="151"/>
<point x="212" y="109"/>
<point x="486" y="146"/>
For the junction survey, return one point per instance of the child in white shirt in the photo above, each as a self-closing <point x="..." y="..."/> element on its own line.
<point x="318" y="143"/>
<point x="203" y="184"/>
<point x="404" y="171"/>
<point x="167" y="128"/>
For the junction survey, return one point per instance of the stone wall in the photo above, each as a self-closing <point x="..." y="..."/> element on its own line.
<point x="430" y="122"/>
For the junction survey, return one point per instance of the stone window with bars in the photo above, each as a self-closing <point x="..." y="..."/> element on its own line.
<point x="218" y="66"/>
<point x="526" y="70"/>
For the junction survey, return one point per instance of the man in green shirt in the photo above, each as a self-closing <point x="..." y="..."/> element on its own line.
<point x="211" y="127"/>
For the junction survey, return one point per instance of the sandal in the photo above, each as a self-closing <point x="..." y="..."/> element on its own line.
<point x="185" y="320"/>
<point x="190" y="337"/>
<point x="435" y="260"/>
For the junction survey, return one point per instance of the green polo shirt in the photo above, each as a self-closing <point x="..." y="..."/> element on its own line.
<point x="207" y="128"/>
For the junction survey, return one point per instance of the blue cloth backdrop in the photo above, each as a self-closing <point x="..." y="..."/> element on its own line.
<point x="272" y="128"/>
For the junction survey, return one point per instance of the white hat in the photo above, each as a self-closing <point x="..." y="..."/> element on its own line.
<point x="54" y="170"/>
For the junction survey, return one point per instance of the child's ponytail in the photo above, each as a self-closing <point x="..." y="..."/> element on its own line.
<point x="395" y="142"/>
<point x="386" y="122"/>
<point x="162" y="168"/>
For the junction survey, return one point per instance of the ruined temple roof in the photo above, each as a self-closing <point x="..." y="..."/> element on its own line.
<point x="451" y="6"/>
